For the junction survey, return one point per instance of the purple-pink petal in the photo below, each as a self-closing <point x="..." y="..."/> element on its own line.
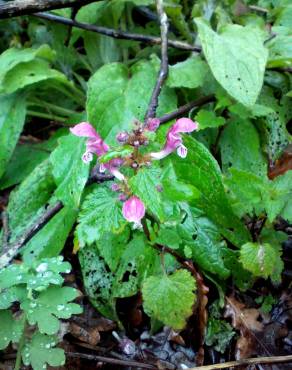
<point x="134" y="210"/>
<point x="85" y="129"/>
<point x="174" y="140"/>
<point x="184" y="125"/>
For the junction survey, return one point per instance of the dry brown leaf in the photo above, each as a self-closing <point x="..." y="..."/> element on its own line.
<point x="246" y="321"/>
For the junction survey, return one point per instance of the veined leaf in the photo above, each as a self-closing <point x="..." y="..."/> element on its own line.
<point x="170" y="298"/>
<point x="144" y="185"/>
<point x="12" y="117"/>
<point x="260" y="258"/>
<point x="205" y="175"/>
<point x="237" y="58"/>
<point x="69" y="171"/>
<point x="101" y="212"/>
<point x="189" y="73"/>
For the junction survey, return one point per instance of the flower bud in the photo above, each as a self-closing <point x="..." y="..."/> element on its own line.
<point x="122" y="197"/>
<point x="115" y="187"/>
<point x="136" y="143"/>
<point x="134" y="210"/>
<point x="152" y="124"/>
<point x="122" y="137"/>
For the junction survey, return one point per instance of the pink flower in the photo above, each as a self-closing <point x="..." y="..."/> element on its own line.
<point x="174" y="140"/>
<point x="94" y="143"/>
<point x="134" y="210"/>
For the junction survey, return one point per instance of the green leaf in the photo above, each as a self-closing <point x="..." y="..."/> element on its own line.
<point x="168" y="236"/>
<point x="98" y="281"/>
<point x="175" y="190"/>
<point x="189" y="73"/>
<point x="280" y="51"/>
<point x="206" y="177"/>
<point x="12" y="117"/>
<point x="206" y="247"/>
<point x="279" y="194"/>
<point x="25" y="159"/>
<point x="138" y="261"/>
<point x="37" y="276"/>
<point x="105" y="280"/>
<point x="208" y="119"/>
<point x="14" y="56"/>
<point x="11" y="329"/>
<point x="144" y="185"/>
<point x="247" y="192"/>
<point x="273" y="126"/>
<point x="69" y="171"/>
<point x="261" y="259"/>
<point x="27" y="202"/>
<point x="258" y="194"/>
<point x="49" y="306"/>
<point x="170" y="298"/>
<point x="39" y="352"/>
<point x="237" y="58"/>
<point x="24" y="67"/>
<point x="178" y="19"/>
<point x="10" y="295"/>
<point x="118" y="95"/>
<point x="241" y="149"/>
<point x="50" y="240"/>
<point x="25" y="74"/>
<point x="101" y="212"/>
<point x="219" y="332"/>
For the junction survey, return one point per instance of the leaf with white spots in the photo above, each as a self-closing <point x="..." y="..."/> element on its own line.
<point x="262" y="260"/>
<point x="37" y="276"/>
<point x="10" y="328"/>
<point x="39" y="352"/>
<point x="237" y="58"/>
<point x="49" y="306"/>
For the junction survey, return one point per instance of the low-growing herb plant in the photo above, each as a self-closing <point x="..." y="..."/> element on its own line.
<point x="175" y="178"/>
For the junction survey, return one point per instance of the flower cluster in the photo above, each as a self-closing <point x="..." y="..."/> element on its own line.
<point x="133" y="207"/>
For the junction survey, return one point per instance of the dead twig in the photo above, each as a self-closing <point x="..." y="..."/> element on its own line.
<point x="16" y="8"/>
<point x="118" y="34"/>
<point x="5" y="230"/>
<point x="247" y="361"/>
<point x="110" y="360"/>
<point x="186" y="108"/>
<point x="13" y="249"/>
<point x="163" y="72"/>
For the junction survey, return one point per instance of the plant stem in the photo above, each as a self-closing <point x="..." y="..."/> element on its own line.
<point x="163" y="72"/>
<point x="19" y="349"/>
<point x="51" y="117"/>
<point x="53" y="107"/>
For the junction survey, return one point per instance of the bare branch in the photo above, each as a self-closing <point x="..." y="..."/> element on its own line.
<point x="117" y="34"/>
<point x="5" y="230"/>
<point x="6" y="257"/>
<point x="163" y="73"/>
<point x="186" y="108"/>
<point x="11" y="250"/>
<point x="110" y="360"/>
<point x="246" y="361"/>
<point x="24" y="7"/>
